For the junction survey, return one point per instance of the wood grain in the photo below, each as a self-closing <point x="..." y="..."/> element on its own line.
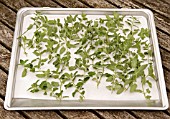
<point x="166" y="1"/>
<point x="42" y="114"/>
<point x="7" y="16"/>
<point x="98" y="3"/>
<point x="71" y="3"/>
<point x="6" y="36"/>
<point x="43" y="3"/>
<point x="151" y="115"/>
<point x="157" y="5"/>
<point x="168" y="93"/>
<point x="116" y="114"/>
<point x="76" y="114"/>
<point x="167" y="78"/>
<point x="4" y="57"/>
<point x="165" y="58"/>
<point x="164" y="40"/>
<point x="3" y="82"/>
<point x="4" y="114"/>
<point x="15" y="4"/>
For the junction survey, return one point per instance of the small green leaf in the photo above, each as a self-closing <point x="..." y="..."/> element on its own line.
<point x="52" y="22"/>
<point x="91" y="73"/>
<point x="111" y="67"/>
<point x="69" y="85"/>
<point x="74" y="93"/>
<point x="143" y="80"/>
<point x="71" y="68"/>
<point x="151" y="73"/>
<point x="148" y="97"/>
<point x="54" y="84"/>
<point x="24" y="73"/>
<point x="109" y="87"/>
<point x="149" y="83"/>
<point x="133" y="88"/>
<point x="86" y="79"/>
<point x="30" y="26"/>
<point x="62" y="50"/>
<point x="22" y="62"/>
<point x="109" y="79"/>
<point x="140" y="70"/>
<point x="120" y="90"/>
<point x="40" y="75"/>
<point x="55" y="76"/>
<point x="43" y="85"/>
<point x="134" y="62"/>
<point x="147" y="90"/>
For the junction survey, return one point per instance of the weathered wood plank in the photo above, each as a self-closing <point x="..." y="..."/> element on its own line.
<point x="71" y="3"/>
<point x="4" y="57"/>
<point x="4" y="114"/>
<point x="116" y="115"/>
<point x="161" y="22"/>
<point x="43" y="3"/>
<point x="98" y="3"/>
<point x="6" y="35"/>
<point x="16" y="4"/>
<point x="7" y="16"/>
<point x="166" y="1"/>
<point x="79" y="114"/>
<point x="151" y="114"/>
<point x="167" y="78"/>
<point x="3" y="81"/>
<point x="165" y="58"/>
<point x="159" y="6"/>
<point x="164" y="40"/>
<point x="168" y="93"/>
<point x="42" y="114"/>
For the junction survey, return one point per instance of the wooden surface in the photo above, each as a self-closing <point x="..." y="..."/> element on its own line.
<point x="8" y="10"/>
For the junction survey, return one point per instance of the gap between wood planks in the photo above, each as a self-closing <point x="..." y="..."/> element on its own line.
<point x="55" y="1"/>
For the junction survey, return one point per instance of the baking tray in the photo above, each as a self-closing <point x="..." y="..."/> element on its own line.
<point x="17" y="98"/>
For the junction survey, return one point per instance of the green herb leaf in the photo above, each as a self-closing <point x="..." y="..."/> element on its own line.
<point x="140" y="70"/>
<point x="134" y="62"/>
<point x="54" y="84"/>
<point x="120" y="90"/>
<point x="91" y="73"/>
<point x="24" y="73"/>
<point x="40" y="75"/>
<point x="133" y="88"/>
<point x="30" y="26"/>
<point x="71" y="68"/>
<point x="62" y="50"/>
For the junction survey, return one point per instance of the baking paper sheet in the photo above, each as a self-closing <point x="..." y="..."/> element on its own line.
<point x="92" y="92"/>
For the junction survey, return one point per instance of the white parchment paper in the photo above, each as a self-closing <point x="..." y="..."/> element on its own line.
<point x="92" y="92"/>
